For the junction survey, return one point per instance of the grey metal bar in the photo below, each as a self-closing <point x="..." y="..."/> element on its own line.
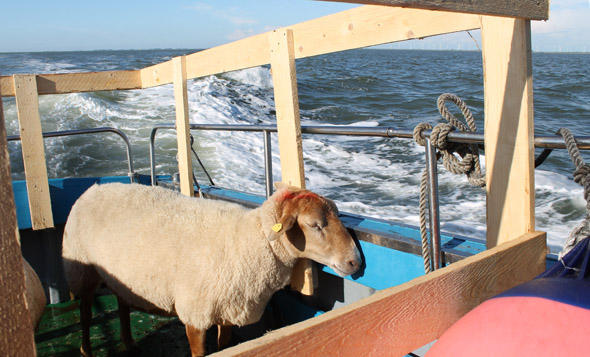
<point x="53" y="134"/>
<point x="267" y="163"/>
<point x="432" y="170"/>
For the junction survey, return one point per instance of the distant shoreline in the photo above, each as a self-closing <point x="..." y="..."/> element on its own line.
<point x="196" y="50"/>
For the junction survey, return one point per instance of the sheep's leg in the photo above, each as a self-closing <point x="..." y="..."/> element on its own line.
<point x="196" y="339"/>
<point x="223" y="336"/>
<point x="85" y="318"/>
<point x="125" y="321"/>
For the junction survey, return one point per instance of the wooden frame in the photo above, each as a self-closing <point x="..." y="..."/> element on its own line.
<point x="509" y="129"/>
<point x="407" y="316"/>
<point x="185" y="164"/>
<point x="33" y="149"/>
<point x="528" y="9"/>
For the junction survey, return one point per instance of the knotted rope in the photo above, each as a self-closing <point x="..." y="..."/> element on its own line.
<point x="582" y="177"/>
<point x="467" y="164"/>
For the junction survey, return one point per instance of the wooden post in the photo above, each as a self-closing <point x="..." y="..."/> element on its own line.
<point x="27" y="103"/>
<point x="282" y="60"/>
<point x="185" y="165"/>
<point x="509" y="131"/>
<point x="16" y="328"/>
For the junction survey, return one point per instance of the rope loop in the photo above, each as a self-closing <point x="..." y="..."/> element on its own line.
<point x="419" y="133"/>
<point x="581" y="177"/>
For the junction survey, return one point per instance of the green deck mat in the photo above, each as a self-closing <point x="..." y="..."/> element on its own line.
<point x="59" y="332"/>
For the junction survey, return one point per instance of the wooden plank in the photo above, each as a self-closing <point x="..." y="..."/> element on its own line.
<point x="509" y="129"/>
<point x="27" y="103"/>
<point x="185" y="165"/>
<point x="77" y="82"/>
<point x="528" y="9"/>
<point x="400" y="319"/>
<point x="16" y="328"/>
<point x="356" y="28"/>
<point x="284" y="78"/>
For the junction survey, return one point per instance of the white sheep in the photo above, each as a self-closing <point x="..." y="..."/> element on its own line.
<point x="206" y="261"/>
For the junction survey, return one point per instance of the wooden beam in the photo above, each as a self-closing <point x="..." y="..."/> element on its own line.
<point x="282" y="59"/>
<point x="185" y="165"/>
<point x="528" y="9"/>
<point x="509" y="129"/>
<point x="16" y="328"/>
<point x="397" y="320"/>
<point x="356" y="28"/>
<point x="77" y="82"/>
<point x="27" y="103"/>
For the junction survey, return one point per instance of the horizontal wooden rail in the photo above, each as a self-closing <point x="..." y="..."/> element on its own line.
<point x="77" y="82"/>
<point x="528" y="9"/>
<point x="400" y="319"/>
<point x="356" y="28"/>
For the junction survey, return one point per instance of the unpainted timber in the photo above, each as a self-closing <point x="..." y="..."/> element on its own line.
<point x="528" y="9"/>
<point x="185" y="165"/>
<point x="282" y="59"/>
<point x="397" y="320"/>
<point x="77" y="82"/>
<point x="33" y="150"/>
<point x="16" y="328"/>
<point x="364" y="26"/>
<point x="508" y="128"/>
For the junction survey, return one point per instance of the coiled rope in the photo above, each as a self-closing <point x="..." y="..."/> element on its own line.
<point x="467" y="163"/>
<point x="581" y="177"/>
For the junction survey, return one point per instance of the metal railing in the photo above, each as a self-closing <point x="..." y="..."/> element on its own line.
<point x="546" y="142"/>
<point x="53" y="134"/>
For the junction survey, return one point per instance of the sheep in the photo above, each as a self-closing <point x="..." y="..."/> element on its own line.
<point x="208" y="262"/>
<point x="35" y="298"/>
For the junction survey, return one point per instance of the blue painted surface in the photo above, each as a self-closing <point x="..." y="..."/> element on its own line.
<point x="384" y="267"/>
<point x="64" y="192"/>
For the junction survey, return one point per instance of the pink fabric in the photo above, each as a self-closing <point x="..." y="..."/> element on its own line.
<point x="518" y="326"/>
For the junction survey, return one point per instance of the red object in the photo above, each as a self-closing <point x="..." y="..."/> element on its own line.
<point x="518" y="326"/>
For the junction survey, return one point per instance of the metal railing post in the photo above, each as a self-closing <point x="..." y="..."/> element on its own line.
<point x="432" y="170"/>
<point x="267" y="163"/>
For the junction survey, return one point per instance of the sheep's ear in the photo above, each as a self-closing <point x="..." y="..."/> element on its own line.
<point x="284" y="224"/>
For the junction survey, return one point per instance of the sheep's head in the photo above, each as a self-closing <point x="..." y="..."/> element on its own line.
<point x="309" y="227"/>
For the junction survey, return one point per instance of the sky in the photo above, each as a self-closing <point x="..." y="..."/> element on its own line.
<point x="59" y="25"/>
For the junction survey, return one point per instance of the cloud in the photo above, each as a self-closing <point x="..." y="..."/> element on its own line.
<point x="239" y="34"/>
<point x="228" y="14"/>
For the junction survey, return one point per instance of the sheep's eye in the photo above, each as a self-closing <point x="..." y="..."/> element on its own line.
<point x="316" y="226"/>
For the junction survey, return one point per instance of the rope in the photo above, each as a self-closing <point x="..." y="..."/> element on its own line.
<point x="581" y="177"/>
<point x="468" y="163"/>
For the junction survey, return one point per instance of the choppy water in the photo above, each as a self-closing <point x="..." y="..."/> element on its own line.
<point x="377" y="177"/>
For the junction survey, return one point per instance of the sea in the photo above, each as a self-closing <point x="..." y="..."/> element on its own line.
<point x="377" y="177"/>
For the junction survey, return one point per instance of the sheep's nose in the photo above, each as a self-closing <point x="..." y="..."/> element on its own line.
<point x="354" y="264"/>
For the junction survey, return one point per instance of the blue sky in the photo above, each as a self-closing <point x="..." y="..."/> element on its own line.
<point x="87" y="25"/>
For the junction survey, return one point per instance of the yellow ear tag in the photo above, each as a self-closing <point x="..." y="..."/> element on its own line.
<point x="277" y="227"/>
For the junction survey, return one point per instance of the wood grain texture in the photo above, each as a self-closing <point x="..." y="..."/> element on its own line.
<point x="284" y="78"/>
<point x="509" y="128"/>
<point x="400" y="319"/>
<point x="33" y="149"/>
<point x="185" y="164"/>
<point x="77" y="82"/>
<point x="360" y="27"/>
<point x="528" y="9"/>
<point x="16" y="328"/>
